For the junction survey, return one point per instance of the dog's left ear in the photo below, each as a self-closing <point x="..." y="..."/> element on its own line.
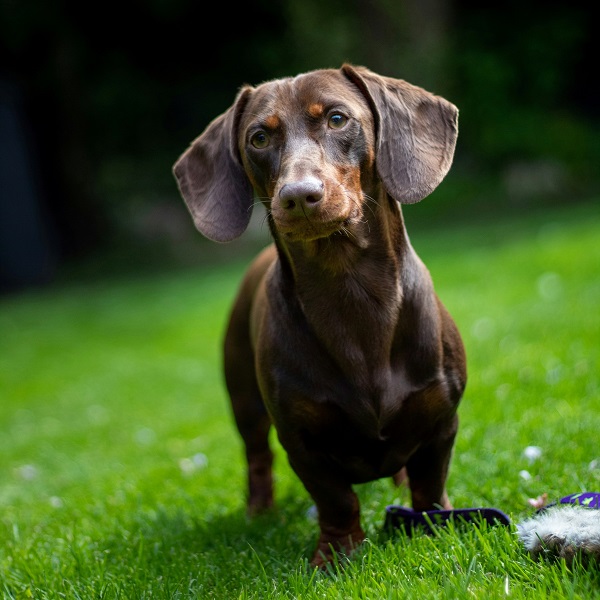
<point x="416" y="133"/>
<point x="211" y="178"/>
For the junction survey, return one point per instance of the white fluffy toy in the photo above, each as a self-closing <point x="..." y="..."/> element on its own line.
<point x="565" y="529"/>
<point x="569" y="528"/>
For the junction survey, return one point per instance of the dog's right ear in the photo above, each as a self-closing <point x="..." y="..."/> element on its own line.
<point x="212" y="180"/>
<point x="416" y="133"/>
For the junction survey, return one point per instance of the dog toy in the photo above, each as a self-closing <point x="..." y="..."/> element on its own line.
<point x="400" y="516"/>
<point x="564" y="529"/>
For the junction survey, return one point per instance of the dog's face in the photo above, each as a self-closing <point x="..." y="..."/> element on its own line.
<point x="307" y="146"/>
<point x="312" y="148"/>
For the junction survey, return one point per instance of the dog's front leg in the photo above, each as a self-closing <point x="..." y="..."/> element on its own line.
<point x="339" y="517"/>
<point x="427" y="471"/>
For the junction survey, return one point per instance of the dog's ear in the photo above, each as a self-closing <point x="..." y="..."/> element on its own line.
<point x="416" y="133"/>
<point x="211" y="178"/>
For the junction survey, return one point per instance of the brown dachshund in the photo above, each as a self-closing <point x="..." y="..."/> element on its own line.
<point x="337" y="337"/>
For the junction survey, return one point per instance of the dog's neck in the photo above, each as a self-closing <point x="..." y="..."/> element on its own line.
<point x="350" y="288"/>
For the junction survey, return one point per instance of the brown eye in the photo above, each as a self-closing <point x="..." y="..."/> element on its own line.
<point x="260" y="140"/>
<point x="337" y="121"/>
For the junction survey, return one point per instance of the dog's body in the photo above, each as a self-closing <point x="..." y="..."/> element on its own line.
<point x="337" y="337"/>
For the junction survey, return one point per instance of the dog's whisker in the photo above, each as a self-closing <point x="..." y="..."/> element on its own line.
<point x="368" y="205"/>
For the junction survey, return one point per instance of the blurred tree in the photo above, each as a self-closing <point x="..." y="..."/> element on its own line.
<point x="519" y="74"/>
<point x="404" y="39"/>
<point x="43" y="56"/>
<point x="113" y="93"/>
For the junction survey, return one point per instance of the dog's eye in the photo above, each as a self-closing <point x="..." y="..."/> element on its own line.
<point x="260" y="140"/>
<point x="337" y="121"/>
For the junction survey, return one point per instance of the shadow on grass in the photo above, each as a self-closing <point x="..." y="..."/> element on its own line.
<point x="216" y="555"/>
<point x="225" y="553"/>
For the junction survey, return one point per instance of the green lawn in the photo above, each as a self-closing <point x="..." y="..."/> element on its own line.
<point x="121" y="474"/>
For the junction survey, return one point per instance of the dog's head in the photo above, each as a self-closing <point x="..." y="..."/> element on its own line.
<point x="311" y="147"/>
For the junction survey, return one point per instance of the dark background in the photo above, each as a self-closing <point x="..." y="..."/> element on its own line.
<point x="98" y="100"/>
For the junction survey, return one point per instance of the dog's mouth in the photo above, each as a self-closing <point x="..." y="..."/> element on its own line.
<point x="306" y="230"/>
<point x="332" y="210"/>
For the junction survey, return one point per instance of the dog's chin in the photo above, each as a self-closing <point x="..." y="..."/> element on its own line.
<point x="304" y="230"/>
<point x="310" y="231"/>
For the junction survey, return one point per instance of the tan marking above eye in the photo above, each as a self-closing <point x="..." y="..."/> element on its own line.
<point x="316" y="109"/>
<point x="272" y="122"/>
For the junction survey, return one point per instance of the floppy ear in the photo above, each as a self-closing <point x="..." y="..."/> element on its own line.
<point x="416" y="133"/>
<point x="211" y="178"/>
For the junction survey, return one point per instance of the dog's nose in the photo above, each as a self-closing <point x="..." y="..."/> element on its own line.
<point x="302" y="196"/>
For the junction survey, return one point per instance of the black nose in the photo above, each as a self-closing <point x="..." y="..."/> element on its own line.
<point x="302" y="196"/>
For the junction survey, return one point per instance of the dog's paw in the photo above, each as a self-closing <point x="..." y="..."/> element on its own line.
<point x="331" y="548"/>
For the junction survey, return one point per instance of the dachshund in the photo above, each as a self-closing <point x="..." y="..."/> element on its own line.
<point x="337" y="338"/>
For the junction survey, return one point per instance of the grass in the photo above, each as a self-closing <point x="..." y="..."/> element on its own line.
<point x="121" y="474"/>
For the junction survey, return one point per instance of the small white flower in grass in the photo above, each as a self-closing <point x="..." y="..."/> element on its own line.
<point x="56" y="502"/>
<point x="595" y="464"/>
<point x="186" y="465"/>
<point x="483" y="328"/>
<point x="525" y="475"/>
<point x="538" y="502"/>
<point x="27" y="472"/>
<point x="532" y="453"/>
<point x="197" y="462"/>
<point x="145" y="436"/>
<point x="549" y="286"/>
<point x="200" y="460"/>
<point x="98" y="415"/>
<point x="503" y="391"/>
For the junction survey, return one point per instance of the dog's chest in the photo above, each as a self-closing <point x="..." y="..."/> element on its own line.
<point x="336" y="375"/>
<point x="369" y="429"/>
<point x="365" y="434"/>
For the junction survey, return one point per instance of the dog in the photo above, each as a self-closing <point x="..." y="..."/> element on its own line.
<point x="337" y="337"/>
